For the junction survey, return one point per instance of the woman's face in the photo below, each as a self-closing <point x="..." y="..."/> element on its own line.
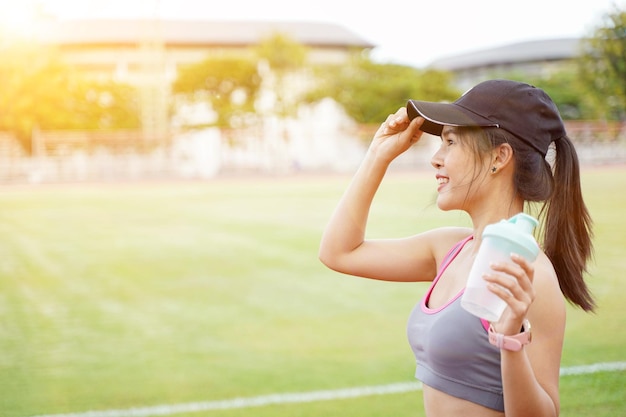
<point x="460" y="172"/>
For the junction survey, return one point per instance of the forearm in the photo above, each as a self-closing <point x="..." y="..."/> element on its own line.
<point x="523" y="395"/>
<point x="345" y="230"/>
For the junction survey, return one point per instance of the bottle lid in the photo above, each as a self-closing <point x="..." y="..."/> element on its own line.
<point x="518" y="229"/>
<point x="524" y="222"/>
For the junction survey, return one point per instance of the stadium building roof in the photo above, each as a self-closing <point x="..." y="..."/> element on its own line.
<point x="516" y="53"/>
<point x="196" y="32"/>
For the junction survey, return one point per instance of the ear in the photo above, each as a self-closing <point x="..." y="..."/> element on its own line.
<point x="502" y="156"/>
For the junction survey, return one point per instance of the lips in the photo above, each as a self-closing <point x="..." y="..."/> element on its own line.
<point x="442" y="181"/>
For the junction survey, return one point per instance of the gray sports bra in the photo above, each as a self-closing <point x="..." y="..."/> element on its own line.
<point x="452" y="349"/>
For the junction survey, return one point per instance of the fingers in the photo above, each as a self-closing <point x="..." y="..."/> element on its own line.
<point x="400" y="122"/>
<point x="525" y="265"/>
<point x="396" y="135"/>
<point x="512" y="281"/>
<point x="396" y="122"/>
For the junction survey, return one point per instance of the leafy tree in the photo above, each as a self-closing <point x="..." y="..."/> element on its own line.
<point x="286" y="60"/>
<point x="229" y="84"/>
<point x="282" y="53"/>
<point x="603" y="64"/>
<point x="370" y="91"/>
<point x="105" y="105"/>
<point x="40" y="91"/>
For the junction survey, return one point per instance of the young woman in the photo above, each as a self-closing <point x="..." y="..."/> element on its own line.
<point x="491" y="164"/>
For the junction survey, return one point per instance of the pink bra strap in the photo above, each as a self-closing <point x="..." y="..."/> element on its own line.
<point x="452" y="253"/>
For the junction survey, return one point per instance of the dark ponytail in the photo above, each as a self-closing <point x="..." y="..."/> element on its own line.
<point x="567" y="227"/>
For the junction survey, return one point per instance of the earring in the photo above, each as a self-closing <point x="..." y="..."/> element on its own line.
<point x="493" y="170"/>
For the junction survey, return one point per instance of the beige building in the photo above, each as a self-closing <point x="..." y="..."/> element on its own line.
<point x="531" y="58"/>
<point x="128" y="48"/>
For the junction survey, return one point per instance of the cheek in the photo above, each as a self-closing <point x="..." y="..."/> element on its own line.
<point x="466" y="165"/>
<point x="461" y="166"/>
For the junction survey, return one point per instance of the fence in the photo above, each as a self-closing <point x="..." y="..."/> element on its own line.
<point x="78" y="156"/>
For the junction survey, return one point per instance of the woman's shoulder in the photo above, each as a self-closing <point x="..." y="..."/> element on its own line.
<point x="450" y="232"/>
<point x="443" y="239"/>
<point x="544" y="271"/>
<point x="548" y="295"/>
<point x="450" y="235"/>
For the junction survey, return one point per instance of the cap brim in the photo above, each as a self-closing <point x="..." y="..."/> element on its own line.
<point x="438" y="115"/>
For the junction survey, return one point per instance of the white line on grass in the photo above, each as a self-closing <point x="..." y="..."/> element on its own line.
<point x="301" y="397"/>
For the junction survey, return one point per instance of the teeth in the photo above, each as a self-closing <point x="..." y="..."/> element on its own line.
<point x="442" y="180"/>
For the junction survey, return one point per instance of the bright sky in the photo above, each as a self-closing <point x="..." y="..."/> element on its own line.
<point x="408" y="32"/>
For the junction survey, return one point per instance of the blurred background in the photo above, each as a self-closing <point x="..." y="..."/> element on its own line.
<point x="167" y="168"/>
<point x="111" y="90"/>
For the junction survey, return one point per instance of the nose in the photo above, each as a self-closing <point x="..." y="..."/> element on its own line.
<point x="437" y="161"/>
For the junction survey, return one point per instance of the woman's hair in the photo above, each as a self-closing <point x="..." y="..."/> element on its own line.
<point x="565" y="221"/>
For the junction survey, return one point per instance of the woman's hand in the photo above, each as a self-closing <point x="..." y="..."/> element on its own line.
<point x="396" y="135"/>
<point x="515" y="286"/>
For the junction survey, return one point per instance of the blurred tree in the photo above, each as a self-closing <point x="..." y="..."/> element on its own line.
<point x="370" y="91"/>
<point x="40" y="91"/>
<point x="603" y="64"/>
<point x="229" y="84"/>
<point x="285" y="59"/>
<point x="282" y="53"/>
<point x="105" y="105"/>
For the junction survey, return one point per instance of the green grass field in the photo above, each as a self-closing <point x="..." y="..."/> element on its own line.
<point x="121" y="296"/>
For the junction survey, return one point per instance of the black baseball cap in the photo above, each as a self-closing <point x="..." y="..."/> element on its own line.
<point x="525" y="111"/>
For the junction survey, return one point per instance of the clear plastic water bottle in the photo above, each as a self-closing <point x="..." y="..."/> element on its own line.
<point x="499" y="241"/>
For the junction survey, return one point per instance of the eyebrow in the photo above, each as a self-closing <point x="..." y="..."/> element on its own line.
<point x="448" y="130"/>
